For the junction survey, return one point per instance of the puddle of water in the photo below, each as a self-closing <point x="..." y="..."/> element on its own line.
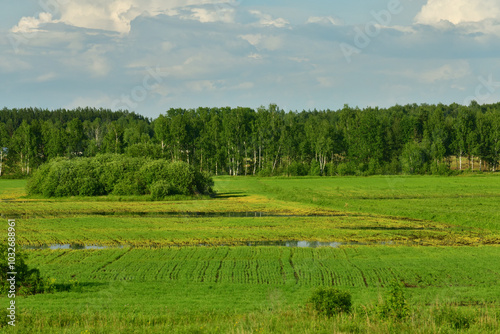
<point x="70" y="246"/>
<point x="288" y="243"/>
<point x="298" y="244"/>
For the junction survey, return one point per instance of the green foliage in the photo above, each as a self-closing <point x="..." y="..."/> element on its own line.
<point x="315" y="169"/>
<point x="344" y="169"/>
<point x="118" y="175"/>
<point x="395" y="304"/>
<point x="412" y="139"/>
<point x="162" y="189"/>
<point x="455" y="317"/>
<point x="28" y="280"/>
<point x="297" y="169"/>
<point x="330" y="301"/>
<point x="413" y="158"/>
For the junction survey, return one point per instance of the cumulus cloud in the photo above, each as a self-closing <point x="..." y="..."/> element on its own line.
<point x="32" y="24"/>
<point x="204" y="15"/>
<point x="117" y="15"/>
<point x="458" y="11"/>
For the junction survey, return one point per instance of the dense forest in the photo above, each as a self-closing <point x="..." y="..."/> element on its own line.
<point x="410" y="139"/>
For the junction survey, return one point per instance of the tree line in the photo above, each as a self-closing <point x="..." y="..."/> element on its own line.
<point x="410" y="139"/>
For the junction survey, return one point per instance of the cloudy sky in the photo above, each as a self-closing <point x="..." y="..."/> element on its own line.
<point x="151" y="55"/>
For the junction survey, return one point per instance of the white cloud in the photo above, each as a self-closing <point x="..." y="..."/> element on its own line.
<point x="446" y="72"/>
<point x="117" y="15"/>
<point x="46" y="77"/>
<point x="325" y="81"/>
<point x="299" y="59"/>
<point x="92" y="61"/>
<point x="260" y="41"/>
<point x="325" y="20"/>
<point x="458" y="11"/>
<point x="32" y="24"/>
<point x="201" y="85"/>
<point x="267" y="20"/>
<point x="100" y="101"/>
<point x="255" y="56"/>
<point x="452" y="71"/>
<point x="205" y="15"/>
<point x="242" y="86"/>
<point x="13" y="64"/>
<point x="253" y="39"/>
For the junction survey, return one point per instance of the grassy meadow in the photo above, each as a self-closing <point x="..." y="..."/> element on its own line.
<point x="184" y="265"/>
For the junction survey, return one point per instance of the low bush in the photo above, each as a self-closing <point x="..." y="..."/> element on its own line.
<point x="395" y="304"/>
<point x="162" y="189"/>
<point x="28" y="281"/>
<point x="117" y="175"/>
<point x="456" y="318"/>
<point x="330" y="301"/>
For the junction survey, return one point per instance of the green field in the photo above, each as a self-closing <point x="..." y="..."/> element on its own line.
<point x="167" y="268"/>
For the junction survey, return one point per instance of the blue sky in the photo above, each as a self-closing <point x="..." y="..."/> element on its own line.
<point x="151" y="55"/>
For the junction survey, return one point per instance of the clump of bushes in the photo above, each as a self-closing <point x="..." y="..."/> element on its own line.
<point x="118" y="175"/>
<point x="28" y="281"/>
<point x="456" y="318"/>
<point x="331" y="301"/>
<point x="395" y="304"/>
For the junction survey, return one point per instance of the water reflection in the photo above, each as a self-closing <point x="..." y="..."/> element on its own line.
<point x="281" y="243"/>
<point x="71" y="246"/>
<point x="299" y="244"/>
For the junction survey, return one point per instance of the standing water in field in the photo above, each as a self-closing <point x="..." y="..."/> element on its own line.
<point x="281" y="243"/>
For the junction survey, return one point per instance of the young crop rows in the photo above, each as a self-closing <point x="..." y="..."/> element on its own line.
<point x="347" y="267"/>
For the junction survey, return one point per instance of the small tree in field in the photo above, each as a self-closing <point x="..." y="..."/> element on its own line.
<point x="28" y="281"/>
<point x="395" y="304"/>
<point x="330" y="301"/>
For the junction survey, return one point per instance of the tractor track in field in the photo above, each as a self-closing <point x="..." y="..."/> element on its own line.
<point x="355" y="266"/>
<point x="114" y="260"/>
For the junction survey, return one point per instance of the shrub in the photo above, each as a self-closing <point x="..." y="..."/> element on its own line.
<point x="456" y="318"/>
<point x="344" y="169"/>
<point x="395" y="304"/>
<point x="90" y="186"/>
<point x="161" y="189"/>
<point x="204" y="183"/>
<point x="441" y="169"/>
<point x="330" y="301"/>
<point x="315" y="169"/>
<point x="297" y="169"/>
<point x="28" y="281"/>
<point x="119" y="175"/>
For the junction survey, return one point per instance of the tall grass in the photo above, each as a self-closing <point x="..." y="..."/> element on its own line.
<point x="437" y="318"/>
